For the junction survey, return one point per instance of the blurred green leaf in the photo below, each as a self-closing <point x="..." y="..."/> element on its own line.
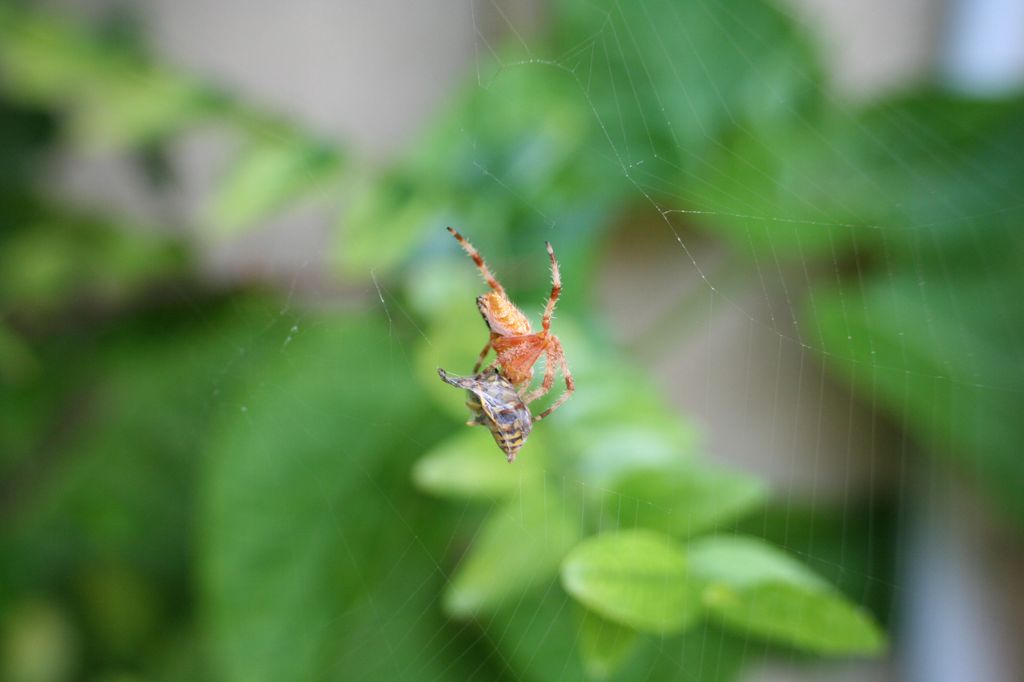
<point x="682" y="501"/>
<point x="620" y="421"/>
<point x="396" y="630"/>
<point x="470" y="465"/>
<point x="537" y="635"/>
<point x="603" y="644"/>
<point x="930" y="168"/>
<point x="454" y="344"/>
<point x="943" y="361"/>
<point x="182" y="656"/>
<point x="26" y="134"/>
<point x="741" y="562"/>
<point x="386" y="218"/>
<point x="17" y="361"/>
<point x="635" y="578"/>
<point x="569" y="131"/>
<point x="519" y="158"/>
<point x="38" y="641"/>
<point x="307" y="507"/>
<point x="123" y="611"/>
<point x="46" y="60"/>
<point x="113" y="96"/>
<point x="850" y="545"/>
<point x="919" y="175"/>
<point x="757" y="589"/>
<point x="518" y="549"/>
<point x="318" y="559"/>
<point x="101" y="446"/>
<point x="436" y="287"/>
<point x="98" y="451"/>
<point x="278" y="168"/>
<point x="694" y="72"/>
<point x="54" y="260"/>
<point x="770" y="195"/>
<point x="140" y="109"/>
<point x="541" y="639"/>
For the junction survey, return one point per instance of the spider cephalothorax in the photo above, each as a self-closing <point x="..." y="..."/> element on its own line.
<point x="515" y="343"/>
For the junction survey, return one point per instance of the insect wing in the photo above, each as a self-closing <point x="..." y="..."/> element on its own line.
<point x="495" y="408"/>
<point x="494" y="403"/>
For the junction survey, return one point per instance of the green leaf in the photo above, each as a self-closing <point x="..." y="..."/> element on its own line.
<point x="943" y="360"/>
<point x="635" y="578"/>
<point x="519" y="156"/>
<point x="471" y="466"/>
<point x="771" y="195"/>
<point x="603" y="644"/>
<point x="113" y="95"/>
<point x="55" y="259"/>
<point x="817" y="187"/>
<point x="397" y="632"/>
<point x="539" y="635"/>
<point x="518" y="549"/>
<point x="17" y="361"/>
<point x="744" y="561"/>
<point x="540" y="638"/>
<point x="308" y="512"/>
<point x="144" y="392"/>
<point x="140" y="108"/>
<point x="753" y="587"/>
<point x="884" y="167"/>
<point x="40" y="640"/>
<point x="278" y="168"/>
<point x="384" y="220"/>
<point x="620" y="422"/>
<point x="455" y="342"/>
<point x="681" y="501"/>
<point x="46" y="60"/>
<point x="689" y="84"/>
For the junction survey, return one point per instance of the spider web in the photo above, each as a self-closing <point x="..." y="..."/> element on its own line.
<point x="723" y="331"/>
<point x="820" y="446"/>
<point x="755" y="380"/>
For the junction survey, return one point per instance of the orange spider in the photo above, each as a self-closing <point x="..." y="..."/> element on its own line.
<point x="518" y="348"/>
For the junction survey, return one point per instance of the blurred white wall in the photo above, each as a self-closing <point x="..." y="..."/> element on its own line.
<point x="984" y="46"/>
<point x="871" y="46"/>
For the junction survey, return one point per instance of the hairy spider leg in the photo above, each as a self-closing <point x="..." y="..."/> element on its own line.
<point x="516" y="347"/>
<point x="556" y="290"/>
<point x="553" y="359"/>
<point x="479" y="260"/>
<point x="483" y="354"/>
<point x="556" y="356"/>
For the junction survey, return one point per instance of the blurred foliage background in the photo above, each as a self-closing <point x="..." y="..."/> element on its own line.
<point x="204" y="480"/>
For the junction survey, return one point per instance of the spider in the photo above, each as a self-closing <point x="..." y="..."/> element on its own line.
<point x="495" y="404"/>
<point x="518" y="348"/>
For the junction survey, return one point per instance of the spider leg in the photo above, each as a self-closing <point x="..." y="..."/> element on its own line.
<point x="478" y="259"/>
<point x="480" y="360"/>
<point x="549" y="379"/>
<point x="556" y="354"/>
<point x="556" y="289"/>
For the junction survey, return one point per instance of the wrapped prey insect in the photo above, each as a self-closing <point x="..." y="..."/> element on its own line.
<point x="496" y="404"/>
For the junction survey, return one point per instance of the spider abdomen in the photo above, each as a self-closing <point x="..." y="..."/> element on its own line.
<point x="502" y="316"/>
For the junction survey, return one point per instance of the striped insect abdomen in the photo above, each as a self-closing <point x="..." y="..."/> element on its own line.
<point x="496" y="404"/>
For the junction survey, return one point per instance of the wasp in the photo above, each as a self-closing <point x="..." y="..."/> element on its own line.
<point x="496" y="404"/>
